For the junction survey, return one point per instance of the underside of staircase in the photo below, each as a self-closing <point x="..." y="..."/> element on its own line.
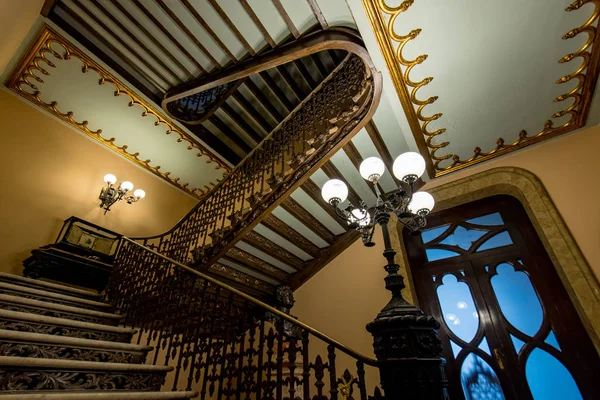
<point x="59" y="342"/>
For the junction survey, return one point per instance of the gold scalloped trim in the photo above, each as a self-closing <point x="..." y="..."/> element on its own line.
<point x="400" y="68"/>
<point x="25" y="75"/>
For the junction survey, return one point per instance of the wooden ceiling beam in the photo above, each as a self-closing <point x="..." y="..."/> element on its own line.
<point x="312" y="267"/>
<point x="288" y="21"/>
<point x="301" y="214"/>
<point x="123" y="43"/>
<point x="209" y="30"/>
<point x="277" y="91"/>
<point x="110" y="61"/>
<point x="258" y="23"/>
<point x="110" y="47"/>
<point x="289" y="233"/>
<point x="262" y="243"/>
<point x="165" y="32"/>
<point x="47" y="7"/>
<point x="241" y="279"/>
<point x="234" y="137"/>
<point x="259" y="265"/>
<point x="231" y="26"/>
<point x="314" y="6"/>
<point x="140" y="43"/>
<point x="356" y="159"/>
<point x="308" y="78"/>
<point x="262" y="98"/>
<point x="254" y="113"/>
<point x="202" y="133"/>
<point x="381" y="147"/>
<point x="296" y="89"/>
<point x="314" y="192"/>
<point x="151" y="37"/>
<point x="333" y="173"/>
<point x="241" y="121"/>
<point x="188" y="33"/>
<point x="320" y="66"/>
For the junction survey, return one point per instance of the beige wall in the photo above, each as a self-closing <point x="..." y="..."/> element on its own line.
<point x="51" y="172"/>
<point x="348" y="293"/>
<point x="16" y="17"/>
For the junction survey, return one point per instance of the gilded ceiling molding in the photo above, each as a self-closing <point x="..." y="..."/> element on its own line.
<point x="382" y="18"/>
<point x="24" y="75"/>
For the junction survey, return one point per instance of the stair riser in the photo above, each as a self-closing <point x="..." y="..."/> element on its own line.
<point x="57" y="313"/>
<point x="53" y="300"/>
<point x="91" y="296"/>
<point x="54" y="351"/>
<point x="50" y="329"/>
<point x="19" y="380"/>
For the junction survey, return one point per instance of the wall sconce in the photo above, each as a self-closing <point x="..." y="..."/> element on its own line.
<point x="110" y="194"/>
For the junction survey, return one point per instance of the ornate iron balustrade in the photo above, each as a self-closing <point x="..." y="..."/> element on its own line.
<point x="224" y="342"/>
<point x="299" y="145"/>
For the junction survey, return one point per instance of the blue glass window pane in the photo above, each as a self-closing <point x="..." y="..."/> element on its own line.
<point x="458" y="307"/>
<point x="518" y="343"/>
<point x="430" y="234"/>
<point x="439" y="254"/>
<point x="517" y="298"/>
<point x="548" y="378"/>
<point x="484" y="346"/>
<point x="551" y="340"/>
<point x="463" y="238"/>
<point x="499" y="240"/>
<point x="479" y="381"/>
<point x="455" y="348"/>
<point x="488" y="220"/>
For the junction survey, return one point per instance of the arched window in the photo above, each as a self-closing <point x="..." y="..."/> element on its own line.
<point x="509" y="329"/>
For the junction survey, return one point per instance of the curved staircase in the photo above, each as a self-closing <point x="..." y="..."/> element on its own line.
<point x="58" y="342"/>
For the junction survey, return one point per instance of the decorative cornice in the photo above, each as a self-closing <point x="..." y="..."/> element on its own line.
<point x="382" y="18"/>
<point x="24" y="75"/>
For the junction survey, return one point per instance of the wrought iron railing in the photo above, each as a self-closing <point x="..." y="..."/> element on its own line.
<point x="224" y="343"/>
<point x="320" y="125"/>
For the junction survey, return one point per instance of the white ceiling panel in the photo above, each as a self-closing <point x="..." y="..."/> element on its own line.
<point x="299" y="227"/>
<point x="282" y="242"/>
<point x="317" y="211"/>
<point x="264" y="256"/>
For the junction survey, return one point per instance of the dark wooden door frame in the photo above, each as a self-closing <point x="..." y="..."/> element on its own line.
<point x="527" y="246"/>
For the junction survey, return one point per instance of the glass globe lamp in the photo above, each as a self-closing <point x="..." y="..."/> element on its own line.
<point x="409" y="166"/>
<point x="110" y="179"/>
<point x="334" y="191"/>
<point x="139" y="193"/>
<point x="372" y="168"/>
<point x="126" y="186"/>
<point x="422" y="203"/>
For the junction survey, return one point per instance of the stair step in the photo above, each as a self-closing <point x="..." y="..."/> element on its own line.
<point x="97" y="395"/>
<point x="23" y="374"/>
<point x="38" y="345"/>
<point x="28" y="322"/>
<point x="51" y="297"/>
<point x="16" y="303"/>
<point x="53" y="287"/>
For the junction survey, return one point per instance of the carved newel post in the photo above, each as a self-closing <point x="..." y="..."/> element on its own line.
<point x="405" y="339"/>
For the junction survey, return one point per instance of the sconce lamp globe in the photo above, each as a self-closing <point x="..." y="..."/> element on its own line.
<point x="126" y="186"/>
<point x="110" y="179"/>
<point x="139" y="193"/>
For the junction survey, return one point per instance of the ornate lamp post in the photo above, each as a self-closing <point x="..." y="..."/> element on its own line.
<point x="405" y="339"/>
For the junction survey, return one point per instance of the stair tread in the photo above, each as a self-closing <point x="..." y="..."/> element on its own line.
<point x="57" y="286"/>
<point x="53" y="295"/>
<point x="28" y="337"/>
<point x="23" y="316"/>
<point x="100" y="395"/>
<point x="50" y="363"/>
<point x="58" y="307"/>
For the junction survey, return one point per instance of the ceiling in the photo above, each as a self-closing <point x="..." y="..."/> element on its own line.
<point x="489" y="82"/>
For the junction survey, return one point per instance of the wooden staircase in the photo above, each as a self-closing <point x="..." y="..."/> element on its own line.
<point x="58" y="342"/>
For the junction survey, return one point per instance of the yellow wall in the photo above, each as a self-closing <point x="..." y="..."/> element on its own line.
<point x="349" y="292"/>
<point x="51" y="172"/>
<point x="16" y="17"/>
